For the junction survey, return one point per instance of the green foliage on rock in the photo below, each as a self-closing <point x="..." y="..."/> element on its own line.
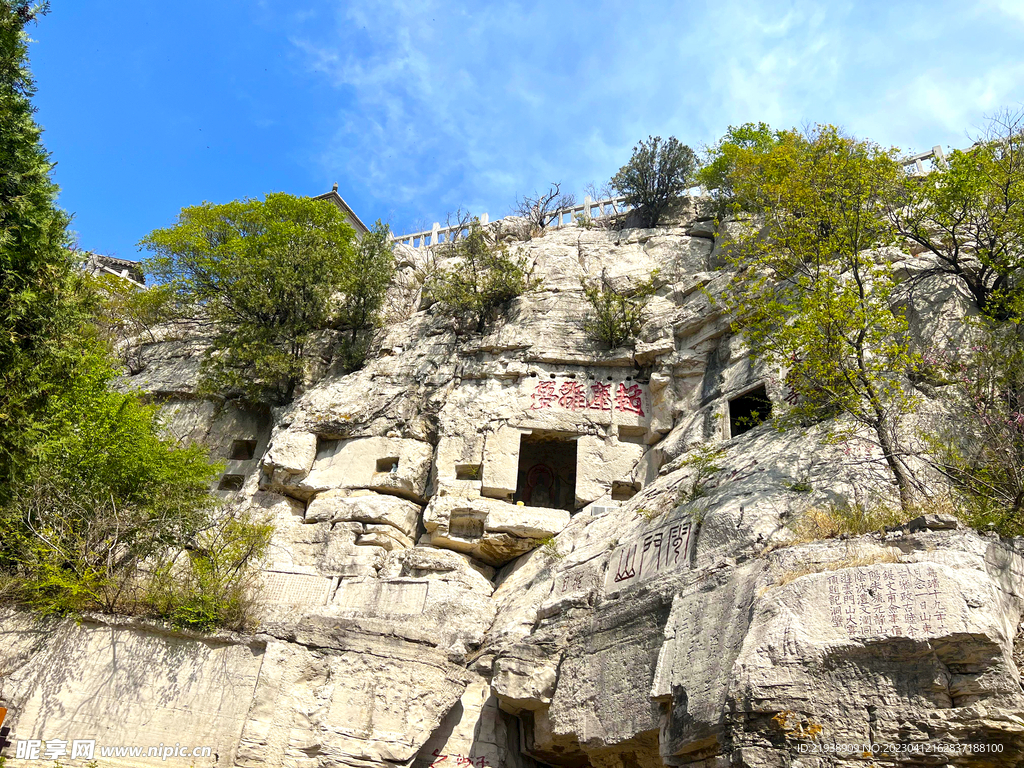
<point x="269" y="275"/>
<point x="811" y="296"/>
<point x="362" y="293"/>
<point x="615" y="316"/>
<point x="657" y="173"/>
<point x="720" y="161"/>
<point x="981" y="446"/>
<point x="481" y="278"/>
<point x="968" y="214"/>
<point x="109" y="498"/>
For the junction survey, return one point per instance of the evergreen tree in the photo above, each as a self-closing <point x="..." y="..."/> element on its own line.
<point x="42" y="301"/>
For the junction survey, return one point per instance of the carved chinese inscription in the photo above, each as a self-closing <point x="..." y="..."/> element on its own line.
<point x="662" y="550"/>
<point x="573" y="395"/>
<point x="455" y="760"/>
<point x="889" y="601"/>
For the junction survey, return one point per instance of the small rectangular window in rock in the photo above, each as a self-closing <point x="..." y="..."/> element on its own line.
<point x="749" y="410"/>
<point x="242" y="450"/>
<point x="623" y="491"/>
<point x="467" y="471"/>
<point x="389" y="464"/>
<point x="465" y="526"/>
<point x="231" y="483"/>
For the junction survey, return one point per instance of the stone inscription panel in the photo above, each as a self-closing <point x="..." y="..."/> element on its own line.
<point x="582" y="578"/>
<point x="382" y="599"/>
<point x="573" y="395"/>
<point x="295" y="588"/>
<point x="662" y="550"/>
<point x="895" y="600"/>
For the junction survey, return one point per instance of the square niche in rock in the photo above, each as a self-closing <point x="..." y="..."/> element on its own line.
<point x="748" y="410"/>
<point x="547" y="470"/>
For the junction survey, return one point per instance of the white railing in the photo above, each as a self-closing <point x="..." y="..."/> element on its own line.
<point x="914" y="165"/>
<point x="612" y="206"/>
<point x="594" y="209"/>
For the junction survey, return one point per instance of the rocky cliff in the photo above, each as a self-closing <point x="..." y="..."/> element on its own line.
<point x="488" y="552"/>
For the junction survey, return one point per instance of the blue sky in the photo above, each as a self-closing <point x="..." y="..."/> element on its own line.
<point x="417" y="108"/>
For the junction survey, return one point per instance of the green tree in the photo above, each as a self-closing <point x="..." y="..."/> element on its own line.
<point x="42" y="299"/>
<point x="716" y="171"/>
<point x="108" y="492"/>
<point x="616" y="316"/>
<point x="91" y="493"/>
<point x="980" y="448"/>
<point x="657" y="173"/>
<point x="969" y="215"/>
<point x="363" y="290"/>
<point x="812" y="297"/>
<point x="268" y="275"/>
<point x="480" y="279"/>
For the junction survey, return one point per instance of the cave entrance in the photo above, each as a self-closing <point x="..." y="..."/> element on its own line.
<point x="748" y="410"/>
<point x="547" y="470"/>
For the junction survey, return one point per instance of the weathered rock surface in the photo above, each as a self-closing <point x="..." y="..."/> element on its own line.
<point x="490" y="550"/>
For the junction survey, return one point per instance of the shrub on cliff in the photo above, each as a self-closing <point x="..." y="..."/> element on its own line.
<point x="616" y="316"/>
<point x="657" y="173"/>
<point x="480" y="279"/>
<point x="268" y="275"/>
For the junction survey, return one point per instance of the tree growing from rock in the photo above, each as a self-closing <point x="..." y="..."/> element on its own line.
<point x="538" y="209"/>
<point x="480" y="278"/>
<point x="616" y="316"/>
<point x="268" y="276"/>
<point x="968" y="214"/>
<point x="716" y="170"/>
<point x="812" y="297"/>
<point x="657" y="173"/>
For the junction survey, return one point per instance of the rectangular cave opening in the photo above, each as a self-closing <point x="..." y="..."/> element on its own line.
<point x="231" y="483"/>
<point x="242" y="450"/>
<point x="547" y="470"/>
<point x="748" y="410"/>
<point x="467" y="471"/>
<point x="389" y="464"/>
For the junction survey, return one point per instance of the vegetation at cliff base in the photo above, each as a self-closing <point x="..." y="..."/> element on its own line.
<point x="94" y="499"/>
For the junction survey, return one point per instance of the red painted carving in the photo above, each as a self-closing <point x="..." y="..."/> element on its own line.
<point x="572" y="396"/>
<point x="629" y="399"/>
<point x="601" y="397"/>
<point x="543" y="395"/>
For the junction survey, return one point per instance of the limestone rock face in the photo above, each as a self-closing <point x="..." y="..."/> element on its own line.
<point x="499" y="550"/>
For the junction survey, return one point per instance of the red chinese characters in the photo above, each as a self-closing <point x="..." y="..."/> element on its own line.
<point x="601" y="397"/>
<point x="630" y="400"/>
<point x="573" y="396"/>
<point x="543" y="395"/>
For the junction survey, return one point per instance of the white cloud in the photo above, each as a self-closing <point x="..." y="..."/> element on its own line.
<point x="442" y="105"/>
